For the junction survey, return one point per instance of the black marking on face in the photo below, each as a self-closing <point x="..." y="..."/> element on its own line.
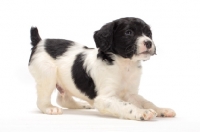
<point x="56" y="47"/>
<point x="120" y="36"/>
<point x="147" y="31"/>
<point x="130" y="111"/>
<point x="82" y="79"/>
<point x="162" y="115"/>
<point x="126" y="34"/>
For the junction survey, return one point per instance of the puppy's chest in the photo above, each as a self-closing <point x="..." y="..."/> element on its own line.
<point x="130" y="77"/>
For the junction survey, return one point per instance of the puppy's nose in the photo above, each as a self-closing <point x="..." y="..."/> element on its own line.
<point x="148" y="44"/>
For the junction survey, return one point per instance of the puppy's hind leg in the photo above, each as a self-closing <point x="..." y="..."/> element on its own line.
<point x="45" y="77"/>
<point x="67" y="101"/>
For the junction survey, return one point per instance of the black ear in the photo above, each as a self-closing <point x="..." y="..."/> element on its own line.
<point x="104" y="37"/>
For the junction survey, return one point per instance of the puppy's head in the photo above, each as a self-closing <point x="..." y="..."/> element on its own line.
<point x="127" y="37"/>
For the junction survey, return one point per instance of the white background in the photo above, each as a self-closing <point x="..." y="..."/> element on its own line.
<point x="170" y="79"/>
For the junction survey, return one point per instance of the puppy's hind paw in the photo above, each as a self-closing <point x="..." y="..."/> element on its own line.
<point x="53" y="111"/>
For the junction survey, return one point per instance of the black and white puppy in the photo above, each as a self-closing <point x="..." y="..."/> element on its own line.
<point x="107" y="77"/>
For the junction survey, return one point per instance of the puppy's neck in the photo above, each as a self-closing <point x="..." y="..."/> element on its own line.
<point x="126" y="62"/>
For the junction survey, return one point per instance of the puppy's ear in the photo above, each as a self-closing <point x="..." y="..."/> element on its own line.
<point x="104" y="37"/>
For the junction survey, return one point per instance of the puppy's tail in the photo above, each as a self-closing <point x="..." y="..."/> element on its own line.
<point x="35" y="37"/>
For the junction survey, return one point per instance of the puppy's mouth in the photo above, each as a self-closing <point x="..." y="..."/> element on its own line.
<point x="145" y="52"/>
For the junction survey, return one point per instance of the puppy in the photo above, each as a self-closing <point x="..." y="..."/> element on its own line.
<point x="107" y="78"/>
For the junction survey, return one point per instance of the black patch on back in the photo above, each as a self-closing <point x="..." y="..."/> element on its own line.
<point x="81" y="79"/>
<point x="105" y="57"/>
<point x="56" y="47"/>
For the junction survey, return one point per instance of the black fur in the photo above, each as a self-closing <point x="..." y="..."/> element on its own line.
<point x="35" y="39"/>
<point x="81" y="79"/>
<point x="120" y="36"/>
<point x="56" y="47"/>
<point x="85" y="47"/>
<point x="104" y="37"/>
<point x="32" y="52"/>
<point x="105" y="57"/>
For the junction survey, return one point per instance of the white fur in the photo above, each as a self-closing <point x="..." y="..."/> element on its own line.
<point x="116" y="85"/>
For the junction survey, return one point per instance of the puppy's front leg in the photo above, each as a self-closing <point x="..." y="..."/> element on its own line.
<point x="118" y="108"/>
<point x="143" y="103"/>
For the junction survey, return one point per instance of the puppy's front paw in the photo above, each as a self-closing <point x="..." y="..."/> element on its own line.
<point x="145" y="114"/>
<point x="166" y="112"/>
<point x="53" y="111"/>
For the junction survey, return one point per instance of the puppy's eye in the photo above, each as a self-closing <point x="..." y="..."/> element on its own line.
<point x="129" y="32"/>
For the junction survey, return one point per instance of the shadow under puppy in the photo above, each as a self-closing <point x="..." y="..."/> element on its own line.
<point x="107" y="77"/>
